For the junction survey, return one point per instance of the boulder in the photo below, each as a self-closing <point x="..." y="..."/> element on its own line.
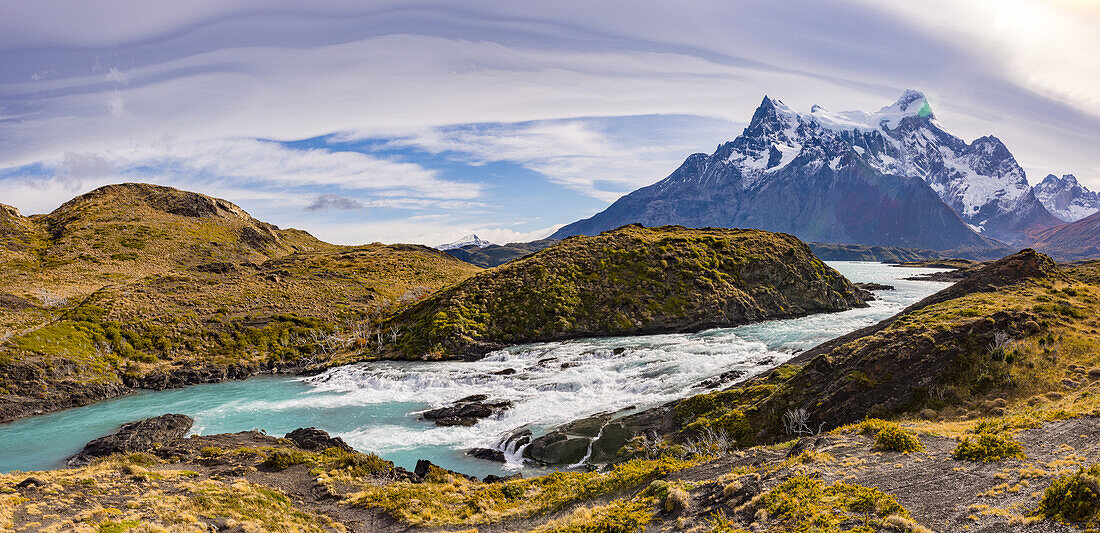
<point x="466" y="412"/>
<point x="486" y="454"/>
<point x="317" y="440"/>
<point x="140" y="436"/>
<point x="557" y="448"/>
<point x="31" y="482"/>
<point x="424" y="466"/>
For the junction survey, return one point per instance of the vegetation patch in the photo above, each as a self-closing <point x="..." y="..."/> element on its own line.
<point x="988" y="447"/>
<point x="1074" y="498"/>
<point x="804" y="503"/>
<point x="262" y="508"/>
<point x="620" y="516"/>
<point x="451" y="501"/>
<point x="283" y="459"/>
<point x="893" y="438"/>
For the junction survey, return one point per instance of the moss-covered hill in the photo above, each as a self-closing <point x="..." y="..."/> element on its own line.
<point x="137" y="285"/>
<point x="628" y="281"/>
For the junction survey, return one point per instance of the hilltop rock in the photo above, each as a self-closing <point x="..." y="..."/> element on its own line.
<point x="140" y="436"/>
<point x="161" y="198"/>
<point x="629" y="281"/>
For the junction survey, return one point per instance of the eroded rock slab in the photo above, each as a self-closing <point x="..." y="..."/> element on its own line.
<point x="140" y="436"/>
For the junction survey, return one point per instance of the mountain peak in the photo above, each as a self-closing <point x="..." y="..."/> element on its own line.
<point x="1067" y="180"/>
<point x="910" y="97"/>
<point x="770" y="117"/>
<point x="912" y="103"/>
<point x="1066" y="198"/>
<point x="468" y="240"/>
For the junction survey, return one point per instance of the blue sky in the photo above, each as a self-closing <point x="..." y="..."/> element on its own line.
<point x="400" y="122"/>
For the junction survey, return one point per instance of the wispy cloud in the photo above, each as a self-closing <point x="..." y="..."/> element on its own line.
<point x="328" y="201"/>
<point x="599" y="157"/>
<point x="184" y="95"/>
<point x="265" y="164"/>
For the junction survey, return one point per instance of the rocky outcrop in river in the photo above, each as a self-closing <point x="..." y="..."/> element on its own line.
<point x="133" y="437"/>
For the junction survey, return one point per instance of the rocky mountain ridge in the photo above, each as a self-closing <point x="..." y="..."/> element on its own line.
<point x="1066" y="198"/>
<point x="895" y="177"/>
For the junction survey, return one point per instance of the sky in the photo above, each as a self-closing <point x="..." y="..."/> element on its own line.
<point x="425" y="121"/>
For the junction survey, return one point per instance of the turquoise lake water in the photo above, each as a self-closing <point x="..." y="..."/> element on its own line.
<point x="374" y="406"/>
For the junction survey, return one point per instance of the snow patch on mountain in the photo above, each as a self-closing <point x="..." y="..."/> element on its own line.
<point x="468" y="240"/>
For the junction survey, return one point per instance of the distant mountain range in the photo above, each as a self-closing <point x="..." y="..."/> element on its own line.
<point x="469" y="240"/>
<point x="895" y="177"/>
<point x="1076" y="240"/>
<point x="1067" y="199"/>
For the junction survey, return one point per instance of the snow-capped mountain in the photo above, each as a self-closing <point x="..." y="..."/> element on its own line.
<point x="469" y="240"/>
<point x="1067" y="199"/>
<point x="883" y="178"/>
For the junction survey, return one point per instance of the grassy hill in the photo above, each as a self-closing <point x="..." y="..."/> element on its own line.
<point x="138" y="285"/>
<point x="1076" y="240"/>
<point x="628" y="281"/>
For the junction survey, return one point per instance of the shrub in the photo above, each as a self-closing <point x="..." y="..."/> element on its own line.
<point x="988" y="447"/>
<point x="141" y="459"/>
<point x="211" y="451"/>
<point x="512" y="491"/>
<point x="283" y="459"/>
<point x="804" y="503"/>
<point x="659" y="488"/>
<point x="892" y="438"/>
<point x="677" y="500"/>
<point x="360" y="464"/>
<point x="872" y="426"/>
<point x="1073" y="498"/>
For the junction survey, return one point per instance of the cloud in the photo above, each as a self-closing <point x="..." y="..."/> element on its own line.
<point x="429" y="232"/>
<point x="599" y="157"/>
<point x="245" y="168"/>
<point x="187" y="94"/>
<point x="75" y="168"/>
<point x="328" y="201"/>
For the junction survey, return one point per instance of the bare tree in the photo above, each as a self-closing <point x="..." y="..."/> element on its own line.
<point x="50" y="300"/>
<point x="1002" y="343"/>
<point x="710" y="442"/>
<point x="795" y="422"/>
<point x="394" y="329"/>
<point x="413" y="294"/>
